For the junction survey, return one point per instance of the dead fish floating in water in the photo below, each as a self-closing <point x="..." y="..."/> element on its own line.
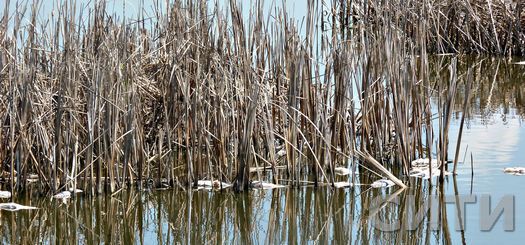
<point x="515" y="170"/>
<point x="76" y="190"/>
<point x="382" y="183"/>
<point x="5" y="194"/>
<point x="11" y="206"/>
<point x="342" y="171"/>
<point x="281" y="153"/>
<point x="264" y="185"/>
<point x="342" y="184"/>
<point x="209" y="184"/>
<point x="424" y="173"/>
<point x="62" y="195"/>
<point x="421" y="168"/>
<point x="66" y="194"/>
<point x="266" y="168"/>
<point x="424" y="162"/>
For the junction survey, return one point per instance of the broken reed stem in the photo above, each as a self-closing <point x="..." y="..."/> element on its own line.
<point x="378" y="165"/>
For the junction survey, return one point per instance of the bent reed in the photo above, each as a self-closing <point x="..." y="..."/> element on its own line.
<point x="198" y="91"/>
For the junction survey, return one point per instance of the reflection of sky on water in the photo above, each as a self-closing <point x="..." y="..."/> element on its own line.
<point x="496" y="141"/>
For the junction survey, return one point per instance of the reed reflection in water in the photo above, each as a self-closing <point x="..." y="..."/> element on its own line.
<point x="291" y="216"/>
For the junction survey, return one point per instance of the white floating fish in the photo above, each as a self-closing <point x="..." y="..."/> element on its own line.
<point x="208" y="184"/>
<point x="418" y="172"/>
<point x="67" y="194"/>
<point x="424" y="162"/>
<point x="75" y="190"/>
<point x="424" y="172"/>
<point x="11" y="206"/>
<point x="515" y="170"/>
<point x="5" y="194"/>
<point x="446" y="54"/>
<point x="264" y="185"/>
<point x="342" y="184"/>
<point x="342" y="171"/>
<point x="519" y="63"/>
<point x="382" y="183"/>
<point x="62" y="195"/>
<point x="281" y="153"/>
<point x="257" y="169"/>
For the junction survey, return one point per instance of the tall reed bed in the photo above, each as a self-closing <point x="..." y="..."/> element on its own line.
<point x="197" y="91"/>
<point x="467" y="26"/>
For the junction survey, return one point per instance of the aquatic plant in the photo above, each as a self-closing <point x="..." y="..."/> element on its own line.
<point x="197" y="91"/>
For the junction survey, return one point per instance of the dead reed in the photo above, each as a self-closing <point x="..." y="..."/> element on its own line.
<point x="197" y="91"/>
<point x="465" y="26"/>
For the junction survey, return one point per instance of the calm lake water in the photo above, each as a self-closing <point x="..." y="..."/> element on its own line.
<point x="493" y="135"/>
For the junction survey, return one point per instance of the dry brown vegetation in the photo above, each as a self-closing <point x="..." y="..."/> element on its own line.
<point x="466" y="26"/>
<point x="200" y="92"/>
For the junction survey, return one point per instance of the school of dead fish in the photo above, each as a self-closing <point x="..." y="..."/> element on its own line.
<point x="421" y="168"/>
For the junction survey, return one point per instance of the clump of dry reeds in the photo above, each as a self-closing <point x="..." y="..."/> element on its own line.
<point x="199" y="92"/>
<point x="465" y="26"/>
